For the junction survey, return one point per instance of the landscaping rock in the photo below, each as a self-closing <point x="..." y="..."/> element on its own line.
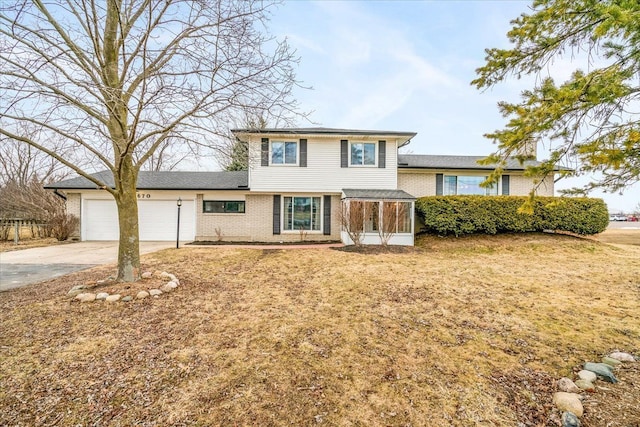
<point x="127" y="298"/>
<point x="623" y="357"/>
<point x="86" y="297"/>
<point x="112" y="298"/>
<point x="102" y="295"/>
<point x="167" y="288"/>
<point x="76" y="290"/>
<point x="570" y="420"/>
<point x="611" y="361"/>
<point x="585" y="386"/>
<point x="155" y="292"/>
<point x="587" y="376"/>
<point x="569" y="402"/>
<point x="565" y="384"/>
<point x="142" y="295"/>
<point x="147" y="275"/>
<point x="602" y="370"/>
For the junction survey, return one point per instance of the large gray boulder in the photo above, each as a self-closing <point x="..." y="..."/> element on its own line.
<point x="602" y="370"/>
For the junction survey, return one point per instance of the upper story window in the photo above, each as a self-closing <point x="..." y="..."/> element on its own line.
<point x="363" y="154"/>
<point x="284" y="153"/>
<point x="458" y="184"/>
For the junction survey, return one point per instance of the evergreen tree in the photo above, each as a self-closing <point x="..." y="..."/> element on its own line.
<point x="592" y="118"/>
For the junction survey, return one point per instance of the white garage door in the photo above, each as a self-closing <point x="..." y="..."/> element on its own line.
<point x="157" y="220"/>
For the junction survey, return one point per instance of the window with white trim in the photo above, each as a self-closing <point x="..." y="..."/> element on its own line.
<point x="363" y="154"/>
<point x="470" y="185"/>
<point x="301" y="213"/>
<point x="223" y="206"/>
<point x="284" y="153"/>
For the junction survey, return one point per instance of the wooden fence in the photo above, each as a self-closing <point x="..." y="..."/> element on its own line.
<point x="20" y="228"/>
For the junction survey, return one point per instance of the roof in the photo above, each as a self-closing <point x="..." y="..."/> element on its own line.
<point x="325" y="131"/>
<point x="426" y="161"/>
<point x="351" y="193"/>
<point x="165" y="180"/>
<point x="404" y="137"/>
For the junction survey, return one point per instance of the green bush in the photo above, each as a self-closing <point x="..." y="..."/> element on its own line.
<point x="445" y="215"/>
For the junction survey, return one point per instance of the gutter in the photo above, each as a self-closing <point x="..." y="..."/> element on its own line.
<point x="59" y="194"/>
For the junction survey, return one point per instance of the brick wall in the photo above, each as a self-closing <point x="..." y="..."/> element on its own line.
<point x="256" y="224"/>
<point x="418" y="184"/>
<point x="74" y="207"/>
<point x="520" y="185"/>
<point x="232" y="227"/>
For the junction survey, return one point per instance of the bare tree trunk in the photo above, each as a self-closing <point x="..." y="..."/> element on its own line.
<point x="129" y="249"/>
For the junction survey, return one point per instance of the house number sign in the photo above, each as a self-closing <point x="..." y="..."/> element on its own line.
<point x="144" y="195"/>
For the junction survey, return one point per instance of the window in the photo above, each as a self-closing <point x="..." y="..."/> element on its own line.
<point x="219" y="206"/>
<point x="284" y="153"/>
<point x="379" y="216"/>
<point x="371" y="216"/>
<point x="301" y="213"/>
<point x="363" y="154"/>
<point x="467" y="185"/>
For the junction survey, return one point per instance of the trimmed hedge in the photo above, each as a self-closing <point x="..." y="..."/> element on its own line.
<point x="445" y="215"/>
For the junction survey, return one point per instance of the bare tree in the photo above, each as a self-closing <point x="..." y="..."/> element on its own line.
<point x="352" y="216"/>
<point x="232" y="154"/>
<point x="24" y="171"/>
<point x="118" y="79"/>
<point x="166" y="157"/>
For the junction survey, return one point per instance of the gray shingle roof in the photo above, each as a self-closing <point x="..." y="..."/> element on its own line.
<point x="352" y="193"/>
<point x="425" y="161"/>
<point x="165" y="180"/>
<point x="325" y="131"/>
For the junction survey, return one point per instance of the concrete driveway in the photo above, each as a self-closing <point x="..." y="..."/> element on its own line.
<point x="27" y="266"/>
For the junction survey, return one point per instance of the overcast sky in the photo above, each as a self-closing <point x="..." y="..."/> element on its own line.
<point x="407" y="66"/>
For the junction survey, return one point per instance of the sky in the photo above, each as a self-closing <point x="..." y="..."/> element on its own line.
<point x="407" y="66"/>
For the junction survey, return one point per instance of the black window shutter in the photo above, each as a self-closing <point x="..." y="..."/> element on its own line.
<point x="382" y="153"/>
<point x="327" y="216"/>
<point x="344" y="153"/>
<point x="439" y="184"/>
<point x="505" y="185"/>
<point x="303" y="153"/>
<point x="276" y="214"/>
<point x="264" y="151"/>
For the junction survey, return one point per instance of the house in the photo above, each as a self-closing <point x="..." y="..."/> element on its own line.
<point x="301" y="184"/>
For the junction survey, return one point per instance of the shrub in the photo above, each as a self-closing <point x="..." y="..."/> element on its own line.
<point x="459" y="215"/>
<point x="62" y="226"/>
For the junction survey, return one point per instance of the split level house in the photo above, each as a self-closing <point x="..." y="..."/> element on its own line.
<point x="301" y="184"/>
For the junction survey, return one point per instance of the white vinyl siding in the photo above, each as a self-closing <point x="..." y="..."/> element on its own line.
<point x="323" y="173"/>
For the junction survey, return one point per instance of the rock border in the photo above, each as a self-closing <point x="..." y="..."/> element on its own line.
<point x="78" y="292"/>
<point x="569" y="397"/>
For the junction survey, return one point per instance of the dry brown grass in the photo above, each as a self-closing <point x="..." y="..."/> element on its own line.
<point x="454" y="332"/>
<point x="620" y="236"/>
<point x="26" y="243"/>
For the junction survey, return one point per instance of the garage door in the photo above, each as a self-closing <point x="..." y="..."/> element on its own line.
<point x="157" y="220"/>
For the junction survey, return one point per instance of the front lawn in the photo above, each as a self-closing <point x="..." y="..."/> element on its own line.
<point x="464" y="332"/>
